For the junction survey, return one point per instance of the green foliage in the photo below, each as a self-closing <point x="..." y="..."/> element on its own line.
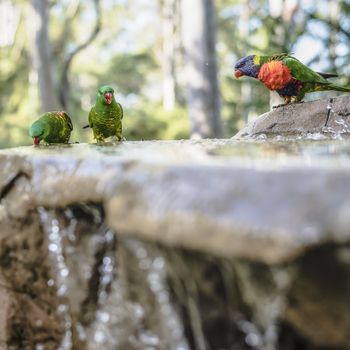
<point x="152" y="123"/>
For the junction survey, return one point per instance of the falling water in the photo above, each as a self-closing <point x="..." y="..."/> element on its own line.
<point x="155" y="269"/>
<point x="263" y="331"/>
<point x="107" y="311"/>
<point x="118" y="322"/>
<point x="60" y="269"/>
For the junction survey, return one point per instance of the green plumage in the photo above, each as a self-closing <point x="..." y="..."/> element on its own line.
<point x="105" y="117"/>
<point x="308" y="80"/>
<point x="52" y="127"/>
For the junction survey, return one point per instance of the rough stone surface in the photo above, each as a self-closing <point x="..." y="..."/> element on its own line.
<point x="210" y="244"/>
<point x="302" y="119"/>
<point x="222" y="197"/>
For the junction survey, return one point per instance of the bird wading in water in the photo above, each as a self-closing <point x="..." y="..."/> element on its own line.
<point x="105" y="117"/>
<point x="286" y="75"/>
<point x="51" y="127"/>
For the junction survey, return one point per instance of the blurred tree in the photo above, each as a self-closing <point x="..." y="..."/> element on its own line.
<point x="169" y="11"/>
<point x="131" y="53"/>
<point x="334" y="14"/>
<point x="42" y="56"/>
<point x="56" y="94"/>
<point x="246" y="87"/>
<point x="64" y="84"/>
<point x="203" y="96"/>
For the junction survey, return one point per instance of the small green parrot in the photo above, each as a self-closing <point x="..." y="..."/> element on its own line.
<point x="286" y="75"/>
<point x="105" y="117"/>
<point x="51" y="127"/>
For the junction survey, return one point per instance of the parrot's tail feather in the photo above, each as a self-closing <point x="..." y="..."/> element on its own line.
<point x="328" y="75"/>
<point x="340" y="88"/>
<point x="86" y="126"/>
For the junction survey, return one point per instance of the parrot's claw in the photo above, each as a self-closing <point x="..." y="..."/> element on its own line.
<point x="278" y="106"/>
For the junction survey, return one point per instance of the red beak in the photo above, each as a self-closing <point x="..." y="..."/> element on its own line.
<point x="238" y="74"/>
<point x="108" y="97"/>
<point x="36" y="141"/>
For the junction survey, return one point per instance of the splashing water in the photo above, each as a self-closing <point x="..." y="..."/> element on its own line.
<point x="263" y="332"/>
<point x="155" y="269"/>
<point x="101" y="332"/>
<point x="61" y="271"/>
<point x="341" y="122"/>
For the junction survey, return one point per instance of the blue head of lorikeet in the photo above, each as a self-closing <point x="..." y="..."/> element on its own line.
<point x="246" y="66"/>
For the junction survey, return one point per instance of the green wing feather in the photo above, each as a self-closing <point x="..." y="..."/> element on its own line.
<point x="121" y="109"/>
<point x="313" y="80"/>
<point x="303" y="73"/>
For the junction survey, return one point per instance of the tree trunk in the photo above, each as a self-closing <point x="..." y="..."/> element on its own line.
<point x="42" y="56"/>
<point x="169" y="79"/>
<point x="203" y="97"/>
<point x="334" y="8"/>
<point x="246" y="87"/>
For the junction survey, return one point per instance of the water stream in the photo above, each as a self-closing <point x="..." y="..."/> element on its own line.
<point x="55" y="236"/>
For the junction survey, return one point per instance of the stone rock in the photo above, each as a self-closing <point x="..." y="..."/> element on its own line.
<point x="167" y="245"/>
<point x="302" y="119"/>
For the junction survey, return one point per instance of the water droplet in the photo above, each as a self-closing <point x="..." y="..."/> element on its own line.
<point x="109" y="236"/>
<point x="53" y="247"/>
<point x="99" y="337"/>
<point x="105" y="279"/>
<point x="64" y="272"/>
<point x="261" y="137"/>
<point x="158" y="263"/>
<point x="103" y="316"/>
<point x="62" y="290"/>
<point x="141" y="253"/>
<point x="50" y="282"/>
<point x="147" y="338"/>
<point x="62" y="308"/>
<point x="107" y="260"/>
<point x="252" y="339"/>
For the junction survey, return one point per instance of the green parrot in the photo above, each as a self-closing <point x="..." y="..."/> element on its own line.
<point x="286" y="75"/>
<point x="105" y="117"/>
<point x="51" y="127"/>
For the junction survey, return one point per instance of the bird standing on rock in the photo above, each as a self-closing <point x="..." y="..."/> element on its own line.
<point x="286" y="75"/>
<point x="105" y="117"/>
<point x="51" y="127"/>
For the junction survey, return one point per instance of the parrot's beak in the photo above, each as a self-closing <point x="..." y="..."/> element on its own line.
<point x="108" y="97"/>
<point x="238" y="73"/>
<point x="36" y="141"/>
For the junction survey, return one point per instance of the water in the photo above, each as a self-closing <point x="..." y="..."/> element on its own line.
<point x="155" y="268"/>
<point x="56" y="254"/>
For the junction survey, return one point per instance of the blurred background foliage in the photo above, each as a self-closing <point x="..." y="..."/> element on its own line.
<point x="170" y="61"/>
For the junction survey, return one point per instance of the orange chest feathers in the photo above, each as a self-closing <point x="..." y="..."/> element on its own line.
<point x="275" y="75"/>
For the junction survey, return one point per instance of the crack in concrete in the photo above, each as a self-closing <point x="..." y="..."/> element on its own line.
<point x="11" y="184"/>
<point x="329" y="110"/>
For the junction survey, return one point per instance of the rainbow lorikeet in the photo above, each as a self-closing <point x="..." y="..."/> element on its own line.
<point x="286" y="75"/>
<point x="51" y="127"/>
<point x="105" y="117"/>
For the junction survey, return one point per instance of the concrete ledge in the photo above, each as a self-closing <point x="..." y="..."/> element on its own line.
<point x="206" y="195"/>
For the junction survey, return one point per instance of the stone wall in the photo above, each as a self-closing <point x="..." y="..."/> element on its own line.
<point x="175" y="245"/>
